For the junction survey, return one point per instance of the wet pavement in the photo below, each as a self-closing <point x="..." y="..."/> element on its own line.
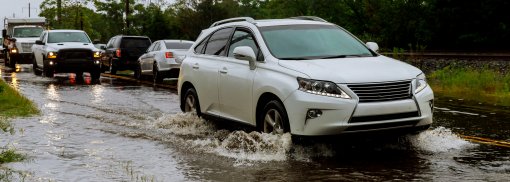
<point x="120" y="130"/>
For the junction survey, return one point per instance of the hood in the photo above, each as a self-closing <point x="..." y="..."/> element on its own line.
<point x="71" y="45"/>
<point x="354" y="70"/>
<point x="26" y="39"/>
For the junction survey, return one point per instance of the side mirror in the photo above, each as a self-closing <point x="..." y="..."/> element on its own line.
<point x="245" y="53"/>
<point x="373" y="46"/>
<point x="39" y="42"/>
<point x="102" y="47"/>
<point x="4" y="33"/>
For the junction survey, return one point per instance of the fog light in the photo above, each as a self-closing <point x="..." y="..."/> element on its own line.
<point x="313" y="113"/>
<point x="51" y="62"/>
<point x="97" y="62"/>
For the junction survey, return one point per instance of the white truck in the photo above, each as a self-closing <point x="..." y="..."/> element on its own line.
<point x="19" y="35"/>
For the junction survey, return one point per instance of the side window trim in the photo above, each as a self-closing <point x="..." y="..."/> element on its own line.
<point x="227" y="43"/>
<point x="259" y="53"/>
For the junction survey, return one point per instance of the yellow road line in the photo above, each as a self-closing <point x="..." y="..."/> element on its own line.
<point x="485" y="141"/>
<point x="140" y="81"/>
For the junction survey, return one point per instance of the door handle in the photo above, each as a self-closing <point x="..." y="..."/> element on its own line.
<point x="195" y="66"/>
<point x="224" y="70"/>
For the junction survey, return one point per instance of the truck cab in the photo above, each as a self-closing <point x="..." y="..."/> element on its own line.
<point x="19" y="36"/>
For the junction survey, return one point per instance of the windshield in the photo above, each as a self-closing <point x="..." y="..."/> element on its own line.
<point x="57" y="37"/>
<point x="299" y="42"/>
<point x="27" y="32"/>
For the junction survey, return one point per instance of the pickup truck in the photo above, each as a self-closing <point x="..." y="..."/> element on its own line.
<point x="66" y="51"/>
<point x="19" y="36"/>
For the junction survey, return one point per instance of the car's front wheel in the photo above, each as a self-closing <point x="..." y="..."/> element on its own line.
<point x="274" y="119"/>
<point x="35" y="67"/>
<point x="113" y="68"/>
<point x="48" y="72"/>
<point x="191" y="103"/>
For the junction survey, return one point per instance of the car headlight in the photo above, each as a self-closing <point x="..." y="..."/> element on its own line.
<point x="52" y="55"/>
<point x="14" y="51"/>
<point x="421" y="83"/>
<point x="325" y="88"/>
<point x="97" y="54"/>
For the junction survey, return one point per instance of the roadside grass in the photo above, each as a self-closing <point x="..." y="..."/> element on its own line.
<point x="12" y="104"/>
<point x="479" y="85"/>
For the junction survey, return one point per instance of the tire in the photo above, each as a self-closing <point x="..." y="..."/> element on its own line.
<point x="157" y="78"/>
<point x="190" y="102"/>
<point x="113" y="68"/>
<point x="95" y="75"/>
<point x="9" y="62"/>
<point x="273" y="118"/>
<point x="48" y="72"/>
<point x="138" y="73"/>
<point x="36" y="68"/>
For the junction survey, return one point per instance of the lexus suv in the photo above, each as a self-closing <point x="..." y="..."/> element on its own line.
<point x="65" y="51"/>
<point x="301" y="75"/>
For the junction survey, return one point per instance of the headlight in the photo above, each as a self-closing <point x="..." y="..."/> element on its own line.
<point x="14" y="51"/>
<point x="97" y="54"/>
<point x="52" y="55"/>
<point x="421" y="83"/>
<point x="324" y="88"/>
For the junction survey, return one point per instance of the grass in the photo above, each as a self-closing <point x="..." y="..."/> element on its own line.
<point x="12" y="104"/>
<point x="480" y="85"/>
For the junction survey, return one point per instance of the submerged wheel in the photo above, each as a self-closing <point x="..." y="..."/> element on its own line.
<point x="113" y="69"/>
<point x="157" y="78"/>
<point x="36" y="68"/>
<point x="274" y="119"/>
<point x="191" y="103"/>
<point x="138" y="73"/>
<point x="48" y="72"/>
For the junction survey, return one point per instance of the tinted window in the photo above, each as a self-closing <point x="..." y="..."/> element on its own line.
<point x="218" y="42"/>
<point x="110" y="43"/>
<point x="243" y="38"/>
<point x="200" y="47"/>
<point x="56" y="37"/>
<point x="178" y="45"/>
<point x="128" y="42"/>
<point x="312" y="42"/>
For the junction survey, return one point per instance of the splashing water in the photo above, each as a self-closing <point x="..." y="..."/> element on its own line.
<point x="438" y="140"/>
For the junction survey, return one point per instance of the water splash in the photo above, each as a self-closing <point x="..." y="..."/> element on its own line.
<point x="438" y="140"/>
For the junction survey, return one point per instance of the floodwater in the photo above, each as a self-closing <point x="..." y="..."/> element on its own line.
<point x="124" y="131"/>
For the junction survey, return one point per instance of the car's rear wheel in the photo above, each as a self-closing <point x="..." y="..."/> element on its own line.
<point x="274" y="119"/>
<point x="157" y="77"/>
<point x="138" y="72"/>
<point x="191" y="103"/>
<point x="35" y="67"/>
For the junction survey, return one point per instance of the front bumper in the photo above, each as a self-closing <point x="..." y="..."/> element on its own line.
<point x="342" y="116"/>
<point x="74" y="65"/>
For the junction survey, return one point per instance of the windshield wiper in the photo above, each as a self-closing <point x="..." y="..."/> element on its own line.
<point x="345" y="56"/>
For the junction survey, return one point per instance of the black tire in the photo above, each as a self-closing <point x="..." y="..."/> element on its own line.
<point x="275" y="112"/>
<point x="48" y="72"/>
<point x="113" y="68"/>
<point x="36" y="68"/>
<point x="157" y="78"/>
<point x="95" y="75"/>
<point x="190" y="102"/>
<point x="9" y="61"/>
<point x="138" y="73"/>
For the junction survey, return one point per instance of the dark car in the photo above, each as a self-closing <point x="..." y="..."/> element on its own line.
<point x="123" y="51"/>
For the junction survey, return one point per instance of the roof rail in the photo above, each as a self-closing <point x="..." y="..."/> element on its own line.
<point x="248" y="19"/>
<point x="313" y="18"/>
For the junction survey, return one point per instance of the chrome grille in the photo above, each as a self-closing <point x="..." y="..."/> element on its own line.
<point x="26" y="47"/>
<point x="380" y="92"/>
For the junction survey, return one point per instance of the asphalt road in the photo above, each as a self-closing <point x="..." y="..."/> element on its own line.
<point x="123" y="130"/>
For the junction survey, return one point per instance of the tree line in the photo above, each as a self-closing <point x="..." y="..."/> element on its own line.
<point x="416" y="25"/>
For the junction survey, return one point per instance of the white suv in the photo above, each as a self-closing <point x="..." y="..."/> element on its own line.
<point x="301" y="75"/>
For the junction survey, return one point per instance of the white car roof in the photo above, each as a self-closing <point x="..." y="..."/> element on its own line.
<point x="63" y="30"/>
<point x="182" y="41"/>
<point x="276" y="22"/>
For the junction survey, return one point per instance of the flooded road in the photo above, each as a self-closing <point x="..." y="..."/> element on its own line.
<point x="119" y="130"/>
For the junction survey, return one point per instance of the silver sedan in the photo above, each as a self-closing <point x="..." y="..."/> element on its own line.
<point x="162" y="59"/>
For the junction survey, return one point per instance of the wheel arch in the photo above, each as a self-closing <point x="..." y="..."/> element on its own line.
<point x="185" y="86"/>
<point x="261" y="103"/>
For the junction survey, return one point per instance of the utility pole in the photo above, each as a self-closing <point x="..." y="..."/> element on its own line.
<point x="127" y="16"/>
<point x="59" y="12"/>
<point x="29" y="9"/>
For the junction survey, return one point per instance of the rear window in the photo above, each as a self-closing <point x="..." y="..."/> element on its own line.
<point x="178" y="45"/>
<point x="129" y="42"/>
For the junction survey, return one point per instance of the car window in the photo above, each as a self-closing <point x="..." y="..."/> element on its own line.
<point x="151" y="47"/>
<point x="110" y="43"/>
<point x="218" y="42"/>
<point x="312" y="42"/>
<point x="178" y="45"/>
<point x="131" y="42"/>
<point x="156" y="47"/>
<point x="200" y="47"/>
<point x="57" y="37"/>
<point x="244" y="38"/>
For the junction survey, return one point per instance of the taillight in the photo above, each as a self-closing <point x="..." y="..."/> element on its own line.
<point x="169" y="55"/>
<point x="117" y="53"/>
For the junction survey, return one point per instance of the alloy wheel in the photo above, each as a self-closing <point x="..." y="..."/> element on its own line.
<point x="273" y="122"/>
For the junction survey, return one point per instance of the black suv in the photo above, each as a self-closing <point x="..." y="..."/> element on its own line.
<point x="123" y="51"/>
